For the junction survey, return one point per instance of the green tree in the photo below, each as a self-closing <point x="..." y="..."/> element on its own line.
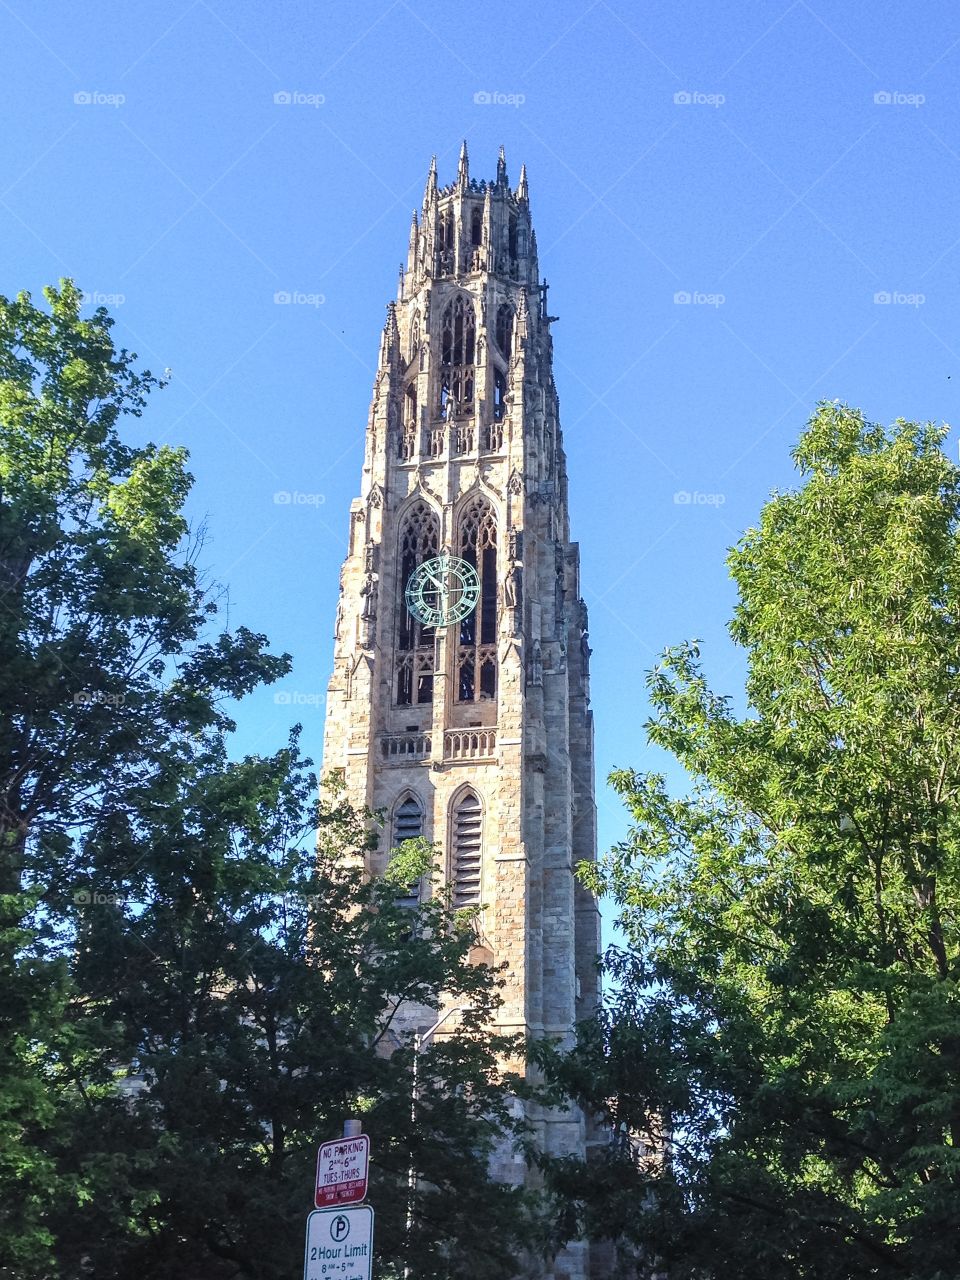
<point x="103" y="671"/>
<point x="191" y="999"/>
<point x="252" y="995"/>
<point x="786" y="1013"/>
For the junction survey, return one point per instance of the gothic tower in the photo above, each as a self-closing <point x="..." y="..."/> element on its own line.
<point x="477" y="735"/>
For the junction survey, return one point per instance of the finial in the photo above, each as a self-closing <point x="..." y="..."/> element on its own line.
<point x="502" y="168"/>
<point x="523" y="191"/>
<point x="463" y="170"/>
<point x="431" y="187"/>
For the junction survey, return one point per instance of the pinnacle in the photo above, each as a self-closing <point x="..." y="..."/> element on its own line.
<point x="431" y="187"/>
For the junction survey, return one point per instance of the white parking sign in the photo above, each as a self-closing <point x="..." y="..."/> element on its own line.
<point x="339" y="1244"/>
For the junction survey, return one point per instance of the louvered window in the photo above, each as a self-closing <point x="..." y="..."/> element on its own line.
<point x="467" y="823"/>
<point x="408" y="825"/>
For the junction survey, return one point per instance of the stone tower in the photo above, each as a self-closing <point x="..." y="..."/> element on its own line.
<point x="478" y="735"/>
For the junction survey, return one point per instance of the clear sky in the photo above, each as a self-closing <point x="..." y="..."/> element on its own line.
<point x="781" y="164"/>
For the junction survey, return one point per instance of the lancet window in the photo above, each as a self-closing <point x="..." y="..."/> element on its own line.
<point x="477" y="649"/>
<point x="419" y="541"/>
<point x="458" y="341"/>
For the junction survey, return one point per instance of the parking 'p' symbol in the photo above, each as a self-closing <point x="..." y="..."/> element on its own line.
<point x="339" y="1228"/>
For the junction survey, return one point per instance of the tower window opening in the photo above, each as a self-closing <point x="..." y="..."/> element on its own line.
<point x="410" y="406"/>
<point x="467" y="851"/>
<point x="458" y="341"/>
<point x="522" y="242"/>
<point x="504" y="327"/>
<point x="445" y="242"/>
<point x="476" y="228"/>
<point x="512" y="236"/>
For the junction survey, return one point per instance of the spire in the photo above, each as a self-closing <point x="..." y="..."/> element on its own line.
<point x="523" y="191"/>
<point x="502" y="168"/>
<point x="431" y="188"/>
<point x="463" y="170"/>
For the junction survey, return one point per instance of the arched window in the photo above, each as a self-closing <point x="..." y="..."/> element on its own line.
<point x="408" y="825"/>
<point x="477" y="650"/>
<point x="419" y="541"/>
<point x="410" y="406"/>
<point x="458" y="341"/>
<point x="476" y="227"/>
<point x="466" y="862"/>
<point x="504" y="328"/>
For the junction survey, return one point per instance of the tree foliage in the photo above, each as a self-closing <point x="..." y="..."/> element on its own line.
<point x="787" y="1013"/>
<point x="192" y="999"/>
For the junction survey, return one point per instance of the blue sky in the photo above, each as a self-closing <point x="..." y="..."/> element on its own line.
<point x="785" y="165"/>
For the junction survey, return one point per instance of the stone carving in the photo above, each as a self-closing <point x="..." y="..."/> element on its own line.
<point x="368" y="592"/>
<point x="536" y="665"/>
<point x="512" y="586"/>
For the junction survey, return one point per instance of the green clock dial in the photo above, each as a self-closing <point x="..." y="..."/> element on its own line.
<point x="442" y="591"/>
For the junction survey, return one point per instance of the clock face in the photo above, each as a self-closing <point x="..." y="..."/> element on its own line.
<point x="442" y="591"/>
